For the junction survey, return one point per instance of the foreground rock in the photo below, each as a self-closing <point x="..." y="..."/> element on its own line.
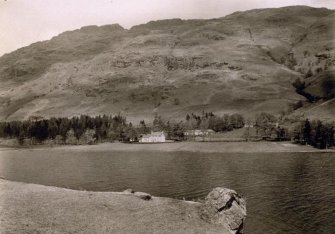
<point x="29" y="208"/>
<point x="225" y="207"/>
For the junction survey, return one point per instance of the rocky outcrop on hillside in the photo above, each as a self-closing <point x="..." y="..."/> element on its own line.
<point x="246" y="59"/>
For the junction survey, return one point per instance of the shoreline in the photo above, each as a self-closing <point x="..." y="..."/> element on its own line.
<point x="36" y="208"/>
<point x="196" y="147"/>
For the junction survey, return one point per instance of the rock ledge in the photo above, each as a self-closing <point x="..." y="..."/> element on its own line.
<point x="225" y="207"/>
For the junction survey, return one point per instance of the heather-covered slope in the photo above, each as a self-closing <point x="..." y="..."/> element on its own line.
<point x="244" y="62"/>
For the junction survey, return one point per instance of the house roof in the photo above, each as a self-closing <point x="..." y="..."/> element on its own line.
<point x="154" y="134"/>
<point x="198" y="130"/>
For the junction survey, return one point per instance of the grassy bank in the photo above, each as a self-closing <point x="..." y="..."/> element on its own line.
<point x="30" y="208"/>
<point x="206" y="147"/>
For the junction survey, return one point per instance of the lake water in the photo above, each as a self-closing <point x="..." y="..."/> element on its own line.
<point x="285" y="192"/>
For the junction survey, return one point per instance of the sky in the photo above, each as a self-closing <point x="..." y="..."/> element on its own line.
<point x="23" y="22"/>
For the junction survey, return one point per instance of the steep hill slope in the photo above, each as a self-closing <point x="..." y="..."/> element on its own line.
<point x="244" y="62"/>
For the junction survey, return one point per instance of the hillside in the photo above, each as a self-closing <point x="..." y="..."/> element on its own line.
<point x="245" y="62"/>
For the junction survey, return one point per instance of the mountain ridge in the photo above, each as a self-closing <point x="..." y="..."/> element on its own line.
<point x="245" y="62"/>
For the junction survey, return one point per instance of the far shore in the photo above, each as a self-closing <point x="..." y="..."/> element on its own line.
<point x="206" y="147"/>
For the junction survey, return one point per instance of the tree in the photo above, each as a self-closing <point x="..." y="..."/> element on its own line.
<point x="281" y="133"/>
<point x="227" y="126"/>
<point x="130" y="133"/>
<point x="188" y="117"/>
<point x="59" y="140"/>
<point x="52" y="128"/>
<point x="71" y="139"/>
<point x="158" y="124"/>
<point x="331" y="136"/>
<point x="40" y="130"/>
<point x="142" y="128"/>
<point x="192" y="123"/>
<point x="265" y="124"/>
<point x="307" y="132"/>
<point x="178" y="131"/>
<point x="204" y="124"/>
<point x="21" y="138"/>
<point x="112" y="134"/>
<point x="64" y="128"/>
<point x="169" y="130"/>
<point x="103" y="131"/>
<point x="297" y="132"/>
<point x="88" y="137"/>
<point x="236" y="120"/>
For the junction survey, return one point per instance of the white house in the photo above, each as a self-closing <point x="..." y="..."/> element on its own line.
<point x="153" y="137"/>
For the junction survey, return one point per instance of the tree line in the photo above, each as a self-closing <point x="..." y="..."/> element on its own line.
<point x="315" y="133"/>
<point x="83" y="129"/>
<point x="268" y="128"/>
<point x="86" y="129"/>
<point x="208" y="120"/>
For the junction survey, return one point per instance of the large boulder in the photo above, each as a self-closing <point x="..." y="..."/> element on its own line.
<point x="225" y="207"/>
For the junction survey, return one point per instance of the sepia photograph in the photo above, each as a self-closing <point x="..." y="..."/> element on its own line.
<point x="167" y="116"/>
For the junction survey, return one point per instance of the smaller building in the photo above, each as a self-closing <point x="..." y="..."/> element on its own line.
<point x="153" y="137"/>
<point x="198" y="133"/>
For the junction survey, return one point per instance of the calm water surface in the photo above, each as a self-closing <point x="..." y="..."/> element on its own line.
<point x="285" y="192"/>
